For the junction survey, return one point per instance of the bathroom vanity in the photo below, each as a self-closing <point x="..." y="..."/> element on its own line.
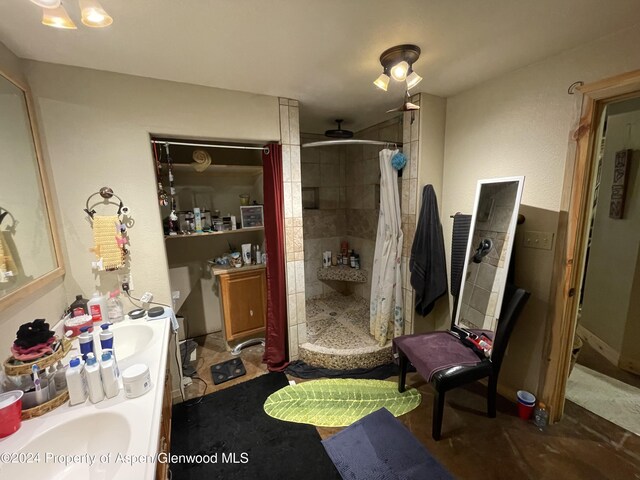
<point x="244" y="300"/>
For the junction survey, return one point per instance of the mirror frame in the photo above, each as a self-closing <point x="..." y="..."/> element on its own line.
<point x="512" y="225"/>
<point x="58" y="271"/>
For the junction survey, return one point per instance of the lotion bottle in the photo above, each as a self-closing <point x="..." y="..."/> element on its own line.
<point x="108" y="372"/>
<point x="94" y="379"/>
<point x="76" y="382"/>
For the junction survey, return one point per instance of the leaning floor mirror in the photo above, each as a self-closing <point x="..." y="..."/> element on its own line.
<point x="491" y="237"/>
<point x="29" y="252"/>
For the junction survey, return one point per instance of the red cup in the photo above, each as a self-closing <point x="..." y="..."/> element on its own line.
<point x="10" y="412"/>
<point x="525" y="411"/>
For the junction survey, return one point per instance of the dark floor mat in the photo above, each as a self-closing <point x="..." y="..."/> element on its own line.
<point x="225" y="371"/>
<point x="230" y="430"/>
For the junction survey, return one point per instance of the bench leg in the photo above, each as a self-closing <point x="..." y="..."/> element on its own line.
<point x="438" y="411"/>
<point x="404" y="364"/>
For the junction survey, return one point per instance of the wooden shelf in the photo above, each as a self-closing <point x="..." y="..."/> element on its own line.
<point x="225" y="232"/>
<point x="253" y="170"/>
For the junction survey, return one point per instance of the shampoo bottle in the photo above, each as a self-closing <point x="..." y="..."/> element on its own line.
<point x="98" y="308"/>
<point x="60" y="378"/>
<point x="108" y="372"/>
<point x="86" y="342"/>
<point x="106" y="344"/>
<point x="94" y="379"/>
<point x="76" y="382"/>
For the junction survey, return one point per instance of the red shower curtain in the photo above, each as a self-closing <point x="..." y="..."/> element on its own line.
<point x="275" y="352"/>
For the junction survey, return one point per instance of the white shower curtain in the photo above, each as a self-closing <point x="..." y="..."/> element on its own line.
<point x="386" y="311"/>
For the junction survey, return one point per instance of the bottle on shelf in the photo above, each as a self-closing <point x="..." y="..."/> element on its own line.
<point x="98" y="308"/>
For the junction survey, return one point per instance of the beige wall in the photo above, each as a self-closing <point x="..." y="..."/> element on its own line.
<point x="96" y="128"/>
<point x="49" y="302"/>
<point x="518" y="124"/>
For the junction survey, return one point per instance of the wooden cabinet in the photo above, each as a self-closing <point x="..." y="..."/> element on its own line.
<point x="244" y="301"/>
<point x="164" y="443"/>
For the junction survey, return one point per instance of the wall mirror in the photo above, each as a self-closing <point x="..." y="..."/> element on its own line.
<point x="29" y="251"/>
<point x="491" y="236"/>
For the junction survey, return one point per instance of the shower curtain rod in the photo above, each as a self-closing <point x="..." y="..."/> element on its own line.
<point x="209" y="145"/>
<point x="323" y="143"/>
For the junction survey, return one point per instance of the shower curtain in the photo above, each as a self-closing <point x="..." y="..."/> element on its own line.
<point x="386" y="309"/>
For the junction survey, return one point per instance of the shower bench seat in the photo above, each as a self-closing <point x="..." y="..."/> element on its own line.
<point x="344" y="273"/>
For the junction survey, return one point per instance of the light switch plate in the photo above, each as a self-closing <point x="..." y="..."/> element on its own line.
<point x="540" y="240"/>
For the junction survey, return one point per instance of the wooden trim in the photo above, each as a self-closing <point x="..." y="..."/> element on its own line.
<point x="32" y="287"/>
<point x="607" y="351"/>
<point x="631" y="365"/>
<point x="569" y="257"/>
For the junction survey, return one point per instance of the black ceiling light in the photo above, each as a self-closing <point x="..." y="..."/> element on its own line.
<point x="338" y="132"/>
<point x="397" y="63"/>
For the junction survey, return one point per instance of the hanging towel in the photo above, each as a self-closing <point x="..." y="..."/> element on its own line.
<point x="107" y="238"/>
<point x="461" y="226"/>
<point x="7" y="264"/>
<point x="428" y="264"/>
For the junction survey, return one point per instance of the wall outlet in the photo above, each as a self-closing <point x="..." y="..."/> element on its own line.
<point x="147" y="297"/>
<point x="540" y="240"/>
<point x="175" y="295"/>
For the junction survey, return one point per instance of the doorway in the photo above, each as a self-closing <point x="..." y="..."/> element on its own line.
<point x="605" y="371"/>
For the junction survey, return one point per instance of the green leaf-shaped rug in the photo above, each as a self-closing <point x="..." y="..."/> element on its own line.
<point x="338" y="402"/>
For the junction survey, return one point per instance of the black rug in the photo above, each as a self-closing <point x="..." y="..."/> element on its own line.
<point x="242" y="442"/>
<point x="225" y="371"/>
<point x="301" y="369"/>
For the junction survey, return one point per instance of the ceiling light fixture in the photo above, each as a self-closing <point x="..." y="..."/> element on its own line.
<point x="57" y="18"/>
<point x="55" y="15"/>
<point x="398" y="62"/>
<point x="93" y="15"/>
<point x="47" y="3"/>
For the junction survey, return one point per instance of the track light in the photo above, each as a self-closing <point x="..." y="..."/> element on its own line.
<point x="398" y="62"/>
<point x="413" y="79"/>
<point x="93" y="15"/>
<point x="57" y="18"/>
<point x="382" y="82"/>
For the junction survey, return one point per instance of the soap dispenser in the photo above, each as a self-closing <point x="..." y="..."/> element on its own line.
<point x="86" y="342"/>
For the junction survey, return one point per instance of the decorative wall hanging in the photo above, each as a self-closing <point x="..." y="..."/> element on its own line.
<point x="109" y="231"/>
<point x="619" y="184"/>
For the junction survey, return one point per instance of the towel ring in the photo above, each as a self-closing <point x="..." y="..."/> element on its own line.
<point x="4" y="213"/>
<point x="107" y="194"/>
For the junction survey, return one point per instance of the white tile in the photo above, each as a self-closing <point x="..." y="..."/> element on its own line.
<point x="288" y="206"/>
<point x="292" y="310"/>
<point x="302" y="333"/>
<point x="413" y="185"/>
<point x="293" y="343"/>
<point x="283" y="101"/>
<point x="291" y="278"/>
<point x="295" y="164"/>
<point x="294" y="126"/>
<point x="286" y="163"/>
<point x="406" y="128"/>
<point x="406" y="149"/>
<point x="301" y="309"/>
<point x="294" y="103"/>
<point x="415" y="150"/>
<point x="284" y="124"/>
<point x="299" y="276"/>
<point x="415" y="126"/>
<point x="296" y="199"/>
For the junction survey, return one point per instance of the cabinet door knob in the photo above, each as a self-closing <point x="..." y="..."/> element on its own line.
<point x="251" y="312"/>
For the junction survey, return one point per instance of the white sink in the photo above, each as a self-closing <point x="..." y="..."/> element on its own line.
<point x="87" y="438"/>
<point x="130" y="339"/>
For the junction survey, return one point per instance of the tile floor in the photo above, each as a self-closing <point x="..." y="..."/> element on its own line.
<point x="338" y="334"/>
<point x="582" y="446"/>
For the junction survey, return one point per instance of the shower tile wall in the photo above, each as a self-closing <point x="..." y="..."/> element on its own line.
<point x="294" y="242"/>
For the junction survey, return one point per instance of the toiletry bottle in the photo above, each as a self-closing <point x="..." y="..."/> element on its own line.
<point x="352" y="259"/>
<point x="109" y="379"/>
<point x="114" y="307"/>
<point x="60" y="378"/>
<point x="357" y="262"/>
<point x="79" y="307"/>
<point x="98" y="308"/>
<point x="94" y="379"/>
<point x="86" y="343"/>
<point x="106" y="344"/>
<point x="76" y="382"/>
<point x="51" y="384"/>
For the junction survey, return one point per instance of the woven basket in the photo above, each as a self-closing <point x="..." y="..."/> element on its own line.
<point x="25" y="368"/>
<point x="46" y="406"/>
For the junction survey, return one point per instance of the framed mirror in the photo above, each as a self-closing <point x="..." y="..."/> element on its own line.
<point x="491" y="236"/>
<point x="29" y="250"/>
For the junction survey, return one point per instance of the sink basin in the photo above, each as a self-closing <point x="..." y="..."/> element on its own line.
<point x="101" y="434"/>
<point x="130" y="339"/>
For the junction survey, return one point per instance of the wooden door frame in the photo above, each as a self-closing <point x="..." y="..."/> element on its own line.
<point x="574" y="211"/>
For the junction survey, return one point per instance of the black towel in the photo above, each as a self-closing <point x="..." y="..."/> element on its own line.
<point x="428" y="263"/>
<point x="460" y="237"/>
